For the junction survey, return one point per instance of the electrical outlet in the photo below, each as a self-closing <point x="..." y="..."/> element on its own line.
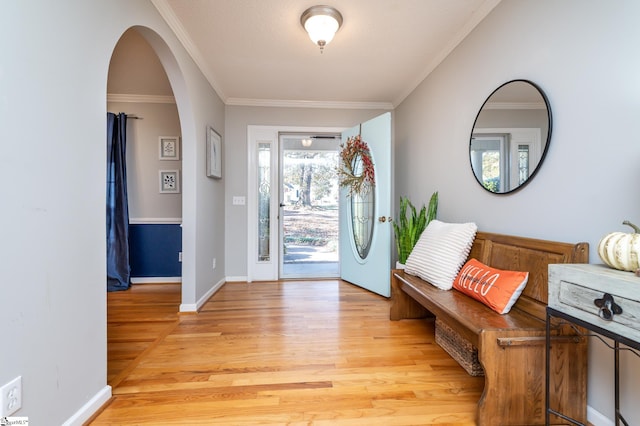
<point x="214" y="263"/>
<point x="11" y="397"/>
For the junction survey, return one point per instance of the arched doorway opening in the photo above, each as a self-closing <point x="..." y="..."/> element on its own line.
<point x="145" y="82"/>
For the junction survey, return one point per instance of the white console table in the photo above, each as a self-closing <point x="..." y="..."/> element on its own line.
<point x="601" y="300"/>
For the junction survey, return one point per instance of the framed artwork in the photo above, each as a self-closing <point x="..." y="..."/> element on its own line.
<point x="169" y="147"/>
<point x="169" y="181"/>
<point x="214" y="153"/>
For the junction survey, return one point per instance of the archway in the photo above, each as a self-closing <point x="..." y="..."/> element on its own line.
<point x="154" y="91"/>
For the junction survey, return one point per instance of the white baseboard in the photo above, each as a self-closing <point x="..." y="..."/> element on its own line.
<point x="597" y="419"/>
<point x="90" y="408"/>
<point x="195" y="307"/>
<point x="156" y="280"/>
<point x="236" y="279"/>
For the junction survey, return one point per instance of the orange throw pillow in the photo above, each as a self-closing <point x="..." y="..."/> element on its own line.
<point x="496" y="288"/>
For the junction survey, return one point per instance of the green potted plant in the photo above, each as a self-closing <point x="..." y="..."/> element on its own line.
<point x="410" y="225"/>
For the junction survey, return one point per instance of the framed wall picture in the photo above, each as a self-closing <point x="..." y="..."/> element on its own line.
<point x="169" y="147"/>
<point x="169" y="181"/>
<point x="214" y="153"/>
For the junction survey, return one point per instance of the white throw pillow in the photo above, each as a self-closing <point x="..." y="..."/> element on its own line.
<point x="440" y="252"/>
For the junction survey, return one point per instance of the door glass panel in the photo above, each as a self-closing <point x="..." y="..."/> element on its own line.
<point x="362" y="215"/>
<point x="523" y="163"/>
<point x="264" y="201"/>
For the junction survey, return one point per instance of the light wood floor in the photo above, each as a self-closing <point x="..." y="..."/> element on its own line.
<point x="296" y="353"/>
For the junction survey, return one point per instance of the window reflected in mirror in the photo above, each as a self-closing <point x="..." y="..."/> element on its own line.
<point x="510" y="137"/>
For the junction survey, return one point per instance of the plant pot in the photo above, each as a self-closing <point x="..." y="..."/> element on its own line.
<point x="399" y="265"/>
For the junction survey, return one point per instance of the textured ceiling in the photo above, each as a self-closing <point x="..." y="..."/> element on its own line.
<point x="256" y="52"/>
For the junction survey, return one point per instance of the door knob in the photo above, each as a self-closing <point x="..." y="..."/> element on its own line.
<point x="383" y="219"/>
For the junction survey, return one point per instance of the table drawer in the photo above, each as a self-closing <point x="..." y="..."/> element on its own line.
<point x="599" y="295"/>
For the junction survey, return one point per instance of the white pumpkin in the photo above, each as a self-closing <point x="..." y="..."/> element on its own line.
<point x="621" y="250"/>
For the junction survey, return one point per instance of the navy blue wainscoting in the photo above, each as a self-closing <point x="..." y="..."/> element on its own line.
<point x="154" y="250"/>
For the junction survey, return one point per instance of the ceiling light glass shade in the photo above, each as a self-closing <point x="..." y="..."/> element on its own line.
<point x="321" y="22"/>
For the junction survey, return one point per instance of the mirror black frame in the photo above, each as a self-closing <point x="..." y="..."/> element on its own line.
<point x="546" y="144"/>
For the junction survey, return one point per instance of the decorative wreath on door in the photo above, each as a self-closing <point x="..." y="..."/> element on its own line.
<point x="357" y="170"/>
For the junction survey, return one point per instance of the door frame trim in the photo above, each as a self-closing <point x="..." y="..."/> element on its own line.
<point x="267" y="270"/>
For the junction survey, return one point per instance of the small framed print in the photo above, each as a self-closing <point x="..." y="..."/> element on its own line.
<point x="169" y="181"/>
<point x="214" y="153"/>
<point x="169" y="147"/>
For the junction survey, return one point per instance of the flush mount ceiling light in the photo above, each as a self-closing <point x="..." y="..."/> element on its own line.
<point x="321" y="22"/>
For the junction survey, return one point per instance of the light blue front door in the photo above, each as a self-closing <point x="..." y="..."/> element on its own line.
<point x="365" y="228"/>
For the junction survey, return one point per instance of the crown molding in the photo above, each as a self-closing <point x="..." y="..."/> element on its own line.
<point x="166" y="12"/>
<point x="174" y="23"/>
<point x="157" y="99"/>
<point x="308" y="104"/>
<point x="140" y="99"/>
<point x="478" y="15"/>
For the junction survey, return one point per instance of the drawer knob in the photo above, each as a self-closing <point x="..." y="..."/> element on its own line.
<point x="608" y="308"/>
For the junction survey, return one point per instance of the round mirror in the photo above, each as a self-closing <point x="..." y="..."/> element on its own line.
<point x="510" y="136"/>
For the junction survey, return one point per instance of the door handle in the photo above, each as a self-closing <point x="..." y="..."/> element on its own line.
<point x="283" y="205"/>
<point x="383" y="219"/>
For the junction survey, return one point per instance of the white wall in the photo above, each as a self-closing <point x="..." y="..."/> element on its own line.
<point x="138" y="85"/>
<point x="135" y="68"/>
<point x="235" y="169"/>
<point x="54" y="60"/>
<point x="143" y="162"/>
<point x="584" y="55"/>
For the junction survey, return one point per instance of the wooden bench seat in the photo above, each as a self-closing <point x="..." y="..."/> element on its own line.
<point x="510" y="347"/>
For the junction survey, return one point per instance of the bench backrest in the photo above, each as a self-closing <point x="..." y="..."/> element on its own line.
<point x="530" y="255"/>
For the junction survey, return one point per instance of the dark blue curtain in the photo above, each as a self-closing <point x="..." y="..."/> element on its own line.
<point x="118" y="269"/>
